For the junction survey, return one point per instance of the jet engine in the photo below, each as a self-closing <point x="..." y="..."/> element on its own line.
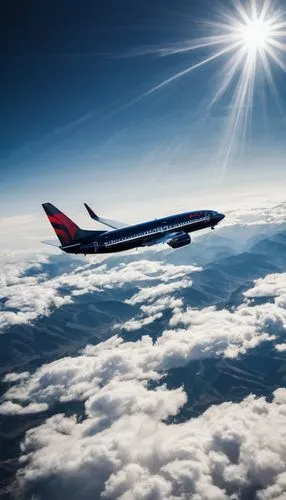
<point x="180" y="241"/>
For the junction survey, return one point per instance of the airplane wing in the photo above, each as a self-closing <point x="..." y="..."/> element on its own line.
<point x="165" y="238"/>
<point x="108" y="222"/>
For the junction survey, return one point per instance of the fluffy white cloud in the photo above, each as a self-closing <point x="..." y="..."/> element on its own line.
<point x="193" y="334"/>
<point x="90" y="278"/>
<point x="228" y="332"/>
<point x="266" y="214"/>
<point x="196" y="333"/>
<point x="28" y="297"/>
<point x="270" y="286"/>
<point x="273" y="285"/>
<point x="136" y="324"/>
<point x="15" y="377"/>
<point x="149" y="294"/>
<point x="157" y="300"/>
<point x="161" y="304"/>
<point x="151" y="312"/>
<point x="9" y="408"/>
<point x="280" y="347"/>
<point x="124" y="448"/>
<point x="229" y="451"/>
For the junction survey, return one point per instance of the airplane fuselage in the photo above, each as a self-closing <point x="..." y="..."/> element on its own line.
<point x="126" y="238"/>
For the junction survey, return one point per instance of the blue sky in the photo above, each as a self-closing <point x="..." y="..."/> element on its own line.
<point x="73" y="130"/>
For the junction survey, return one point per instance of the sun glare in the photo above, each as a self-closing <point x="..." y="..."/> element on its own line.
<point x="255" y="34"/>
<point x="248" y="32"/>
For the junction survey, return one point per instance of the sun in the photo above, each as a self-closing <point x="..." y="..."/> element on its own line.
<point x="239" y="36"/>
<point x="255" y="34"/>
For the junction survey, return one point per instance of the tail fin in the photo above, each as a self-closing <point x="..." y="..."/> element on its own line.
<point x="66" y="230"/>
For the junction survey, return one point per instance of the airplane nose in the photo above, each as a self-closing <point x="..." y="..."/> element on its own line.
<point x="221" y="217"/>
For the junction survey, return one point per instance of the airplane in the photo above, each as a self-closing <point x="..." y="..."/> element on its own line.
<point x="173" y="230"/>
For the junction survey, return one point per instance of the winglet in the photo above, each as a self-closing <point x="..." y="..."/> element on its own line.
<point x="91" y="212"/>
<point x="108" y="222"/>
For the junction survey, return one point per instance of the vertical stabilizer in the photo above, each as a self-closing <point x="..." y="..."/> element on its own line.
<point x="66" y="230"/>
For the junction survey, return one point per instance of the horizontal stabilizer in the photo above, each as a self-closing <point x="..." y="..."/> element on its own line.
<point x="107" y="222"/>
<point x="51" y="243"/>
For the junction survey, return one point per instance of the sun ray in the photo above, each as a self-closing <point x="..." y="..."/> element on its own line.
<point x="229" y="70"/>
<point x="239" y="109"/>
<point x="271" y="84"/>
<point x="264" y="11"/>
<point x="241" y="11"/>
<point x="260" y="31"/>
<point x="277" y="44"/>
<point x="189" y="69"/>
<point x="203" y="43"/>
<point x="275" y="57"/>
<point x="254" y="13"/>
<point x="267" y="71"/>
<point x="252" y="33"/>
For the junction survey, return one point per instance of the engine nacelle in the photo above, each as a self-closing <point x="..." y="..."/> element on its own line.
<point x="180" y="240"/>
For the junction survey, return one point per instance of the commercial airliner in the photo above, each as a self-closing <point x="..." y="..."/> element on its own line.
<point x="173" y="230"/>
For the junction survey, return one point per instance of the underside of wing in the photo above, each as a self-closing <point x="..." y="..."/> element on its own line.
<point x="107" y="222"/>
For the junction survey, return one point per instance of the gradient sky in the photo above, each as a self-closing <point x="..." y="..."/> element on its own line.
<point x="71" y="132"/>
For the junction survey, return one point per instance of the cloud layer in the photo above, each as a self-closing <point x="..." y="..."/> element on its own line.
<point x="127" y="443"/>
<point x="29" y="297"/>
<point x="230" y="451"/>
<point x="192" y="334"/>
<point x="210" y="331"/>
<point x="124" y="447"/>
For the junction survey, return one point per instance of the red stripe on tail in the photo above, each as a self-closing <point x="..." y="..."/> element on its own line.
<point x="63" y="220"/>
